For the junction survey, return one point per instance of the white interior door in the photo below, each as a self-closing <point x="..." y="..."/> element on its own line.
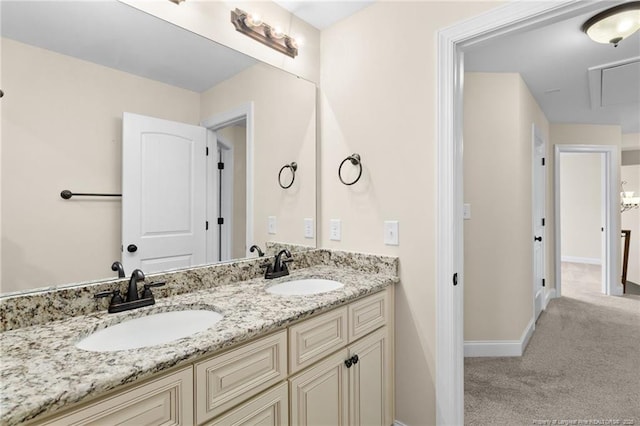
<point x="539" y="220"/>
<point x="163" y="194"/>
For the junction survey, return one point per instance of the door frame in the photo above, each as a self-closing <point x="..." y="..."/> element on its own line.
<point x="235" y="115"/>
<point x="609" y="176"/>
<point x="503" y="20"/>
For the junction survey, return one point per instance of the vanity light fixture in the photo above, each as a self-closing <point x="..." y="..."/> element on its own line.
<point x="254" y="27"/>
<point x="615" y="24"/>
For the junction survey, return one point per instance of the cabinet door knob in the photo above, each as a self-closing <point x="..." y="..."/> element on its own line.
<point x="132" y="248"/>
<point x="354" y="359"/>
<point x="348" y="363"/>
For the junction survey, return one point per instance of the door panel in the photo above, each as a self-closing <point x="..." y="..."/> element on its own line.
<point x="539" y="204"/>
<point x="163" y="194"/>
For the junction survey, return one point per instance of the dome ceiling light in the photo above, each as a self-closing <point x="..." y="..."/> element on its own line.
<point x="615" y="24"/>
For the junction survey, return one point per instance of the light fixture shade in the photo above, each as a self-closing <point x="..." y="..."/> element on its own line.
<point x="615" y="24"/>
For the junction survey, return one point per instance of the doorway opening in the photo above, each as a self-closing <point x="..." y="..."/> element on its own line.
<point x="587" y="229"/>
<point x="505" y="20"/>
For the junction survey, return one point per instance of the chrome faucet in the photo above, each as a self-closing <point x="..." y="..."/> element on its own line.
<point x="279" y="267"/>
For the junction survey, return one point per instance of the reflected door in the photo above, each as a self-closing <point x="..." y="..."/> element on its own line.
<point x="163" y="194"/>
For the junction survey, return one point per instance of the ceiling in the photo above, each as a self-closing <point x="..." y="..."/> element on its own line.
<point x="323" y="14"/>
<point x="119" y="36"/>
<point x="555" y="63"/>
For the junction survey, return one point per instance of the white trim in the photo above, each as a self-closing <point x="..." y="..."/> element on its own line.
<point x="505" y="19"/>
<point x="242" y="112"/>
<point x="481" y="348"/>
<point x="588" y="260"/>
<point x="548" y="295"/>
<point x="611" y="255"/>
<point x="398" y="423"/>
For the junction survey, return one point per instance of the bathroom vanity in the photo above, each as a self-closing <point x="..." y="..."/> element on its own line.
<point x="298" y="359"/>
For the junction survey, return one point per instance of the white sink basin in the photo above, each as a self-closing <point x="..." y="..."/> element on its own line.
<point x="150" y="330"/>
<point x="304" y="287"/>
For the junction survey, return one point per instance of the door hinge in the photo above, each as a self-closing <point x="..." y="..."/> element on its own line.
<point x="206" y="225"/>
<point x="220" y="221"/>
<point x="455" y="279"/>
<point x="220" y="166"/>
<point x="207" y="151"/>
<point x="543" y="221"/>
<point x="543" y="161"/>
<point x="543" y="282"/>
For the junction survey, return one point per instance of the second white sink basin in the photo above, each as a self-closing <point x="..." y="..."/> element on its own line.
<point x="304" y="287"/>
<point x="150" y="330"/>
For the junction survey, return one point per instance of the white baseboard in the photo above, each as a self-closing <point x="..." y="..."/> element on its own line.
<point x="588" y="260"/>
<point x="548" y="295"/>
<point x="397" y="423"/>
<point x="480" y="348"/>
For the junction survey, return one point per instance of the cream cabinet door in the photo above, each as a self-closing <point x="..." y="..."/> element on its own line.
<point x="268" y="409"/>
<point x="370" y="381"/>
<point x="319" y="395"/>
<point x="165" y="401"/>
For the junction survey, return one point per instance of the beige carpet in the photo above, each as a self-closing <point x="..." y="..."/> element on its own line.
<point x="582" y="363"/>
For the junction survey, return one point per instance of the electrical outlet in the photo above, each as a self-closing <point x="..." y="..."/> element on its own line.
<point x="271" y="225"/>
<point x="335" y="229"/>
<point x="466" y="211"/>
<point x="308" y="227"/>
<point x="391" y="237"/>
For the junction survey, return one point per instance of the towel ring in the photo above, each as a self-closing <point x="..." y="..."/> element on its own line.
<point x="355" y="160"/>
<point x="293" y="166"/>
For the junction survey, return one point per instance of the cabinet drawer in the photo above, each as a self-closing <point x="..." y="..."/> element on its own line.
<point x="368" y="314"/>
<point x="316" y="338"/>
<point x="269" y="409"/>
<point x="235" y="376"/>
<point x="166" y="401"/>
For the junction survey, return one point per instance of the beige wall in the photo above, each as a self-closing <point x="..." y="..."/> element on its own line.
<point x="631" y="220"/>
<point x="378" y="90"/>
<point x="581" y="212"/>
<point x="498" y="113"/>
<point x="212" y="19"/>
<point x="61" y="129"/>
<point x="631" y="141"/>
<point x="285" y="129"/>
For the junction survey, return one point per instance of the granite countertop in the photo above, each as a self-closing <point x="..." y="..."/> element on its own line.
<point x="42" y="371"/>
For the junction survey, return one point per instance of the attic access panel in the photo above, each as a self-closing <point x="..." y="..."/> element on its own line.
<point x="621" y="84"/>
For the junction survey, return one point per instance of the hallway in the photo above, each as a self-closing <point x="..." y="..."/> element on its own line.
<point x="582" y="363"/>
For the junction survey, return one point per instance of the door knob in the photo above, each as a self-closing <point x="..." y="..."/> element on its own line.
<point x="537" y="238"/>
<point x="132" y="248"/>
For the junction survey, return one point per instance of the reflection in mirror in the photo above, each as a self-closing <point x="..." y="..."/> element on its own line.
<point x="70" y="72"/>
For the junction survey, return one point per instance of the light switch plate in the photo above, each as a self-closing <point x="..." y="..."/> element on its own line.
<point x="466" y="211"/>
<point x="308" y="227"/>
<point x="271" y="225"/>
<point x="391" y="237"/>
<point x="335" y="229"/>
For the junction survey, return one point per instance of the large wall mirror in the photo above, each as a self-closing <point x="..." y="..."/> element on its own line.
<point x="96" y="95"/>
